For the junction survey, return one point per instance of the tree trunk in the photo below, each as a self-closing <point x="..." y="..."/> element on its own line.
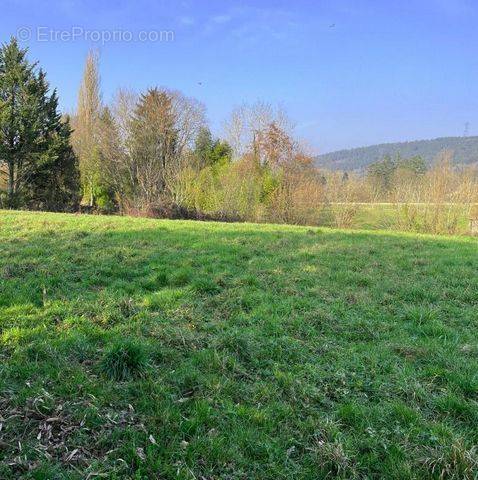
<point x="92" y="200"/>
<point x="11" y="185"/>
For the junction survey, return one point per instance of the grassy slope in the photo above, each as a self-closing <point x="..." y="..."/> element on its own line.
<point x="272" y="352"/>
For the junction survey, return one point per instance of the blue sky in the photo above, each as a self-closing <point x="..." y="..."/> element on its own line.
<point x="350" y="73"/>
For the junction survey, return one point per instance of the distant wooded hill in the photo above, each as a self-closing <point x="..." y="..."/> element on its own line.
<point x="465" y="151"/>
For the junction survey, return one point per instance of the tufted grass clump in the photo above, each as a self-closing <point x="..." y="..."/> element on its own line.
<point x="125" y="360"/>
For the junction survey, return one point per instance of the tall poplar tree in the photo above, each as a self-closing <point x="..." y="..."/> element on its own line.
<point x="86" y="129"/>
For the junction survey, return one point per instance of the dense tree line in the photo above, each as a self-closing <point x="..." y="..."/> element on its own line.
<point x="153" y="154"/>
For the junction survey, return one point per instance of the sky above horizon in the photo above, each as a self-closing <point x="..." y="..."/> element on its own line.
<point x="349" y="73"/>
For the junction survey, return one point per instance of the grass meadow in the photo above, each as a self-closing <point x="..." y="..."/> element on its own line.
<point x="413" y="217"/>
<point x="156" y="349"/>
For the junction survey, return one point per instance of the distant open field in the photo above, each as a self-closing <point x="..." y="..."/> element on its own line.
<point x="386" y="216"/>
<point x="155" y="349"/>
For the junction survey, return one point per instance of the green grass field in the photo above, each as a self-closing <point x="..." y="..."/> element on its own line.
<point x="389" y="216"/>
<point x="148" y="349"/>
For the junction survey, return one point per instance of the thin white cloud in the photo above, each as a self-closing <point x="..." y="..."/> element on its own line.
<point x="221" y="18"/>
<point x="187" y="21"/>
<point x="253" y="24"/>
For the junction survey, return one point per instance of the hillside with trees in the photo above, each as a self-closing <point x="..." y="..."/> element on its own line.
<point x="464" y="150"/>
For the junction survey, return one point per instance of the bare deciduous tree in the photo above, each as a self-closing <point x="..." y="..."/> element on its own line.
<point x="246" y="122"/>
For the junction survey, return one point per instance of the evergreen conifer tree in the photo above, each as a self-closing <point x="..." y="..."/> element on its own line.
<point x="35" y="146"/>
